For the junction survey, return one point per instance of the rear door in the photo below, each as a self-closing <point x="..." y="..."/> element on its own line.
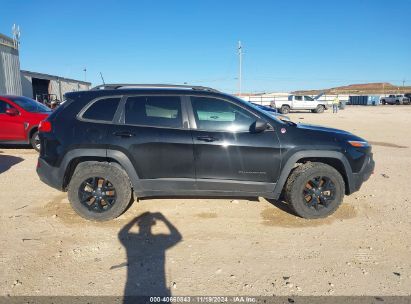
<point x="12" y="128"/>
<point x="228" y="157"/>
<point x="153" y="131"/>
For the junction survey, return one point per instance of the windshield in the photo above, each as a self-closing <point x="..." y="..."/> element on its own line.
<point x="30" y="105"/>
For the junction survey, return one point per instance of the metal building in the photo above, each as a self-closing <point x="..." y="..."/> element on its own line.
<point x="36" y="85"/>
<point x="10" y="81"/>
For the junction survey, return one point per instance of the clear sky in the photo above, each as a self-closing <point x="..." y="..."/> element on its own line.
<point x="287" y="44"/>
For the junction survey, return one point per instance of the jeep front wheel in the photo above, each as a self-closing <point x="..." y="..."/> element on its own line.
<point x="99" y="191"/>
<point x="314" y="190"/>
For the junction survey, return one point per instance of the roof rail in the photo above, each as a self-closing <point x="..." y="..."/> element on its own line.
<point x="115" y="86"/>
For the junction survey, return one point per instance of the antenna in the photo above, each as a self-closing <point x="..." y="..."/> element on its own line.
<point x="240" y="55"/>
<point x="102" y="79"/>
<point x="16" y="35"/>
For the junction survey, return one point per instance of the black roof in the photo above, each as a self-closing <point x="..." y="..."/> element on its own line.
<point x="129" y="89"/>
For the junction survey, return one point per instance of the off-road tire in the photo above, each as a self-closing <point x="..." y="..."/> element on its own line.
<point x="285" y="109"/>
<point x="319" y="109"/>
<point x="383" y="102"/>
<point x="299" y="178"/>
<point x="117" y="177"/>
<point x="34" y="141"/>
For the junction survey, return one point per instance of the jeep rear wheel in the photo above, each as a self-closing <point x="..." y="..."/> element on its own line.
<point x="285" y="109"/>
<point x="314" y="190"/>
<point x="99" y="191"/>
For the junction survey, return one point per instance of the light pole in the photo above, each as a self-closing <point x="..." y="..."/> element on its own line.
<point x="85" y="74"/>
<point x="240" y="55"/>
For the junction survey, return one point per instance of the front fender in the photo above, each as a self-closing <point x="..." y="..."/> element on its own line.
<point x="294" y="158"/>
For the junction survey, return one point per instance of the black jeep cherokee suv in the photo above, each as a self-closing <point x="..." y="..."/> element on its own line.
<point x="105" y="144"/>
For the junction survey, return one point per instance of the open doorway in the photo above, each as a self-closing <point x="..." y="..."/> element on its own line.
<point x="40" y="88"/>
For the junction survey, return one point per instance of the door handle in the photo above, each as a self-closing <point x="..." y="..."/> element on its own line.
<point x="124" y="134"/>
<point x="207" y="138"/>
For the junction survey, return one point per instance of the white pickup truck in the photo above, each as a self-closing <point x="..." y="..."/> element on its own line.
<point x="300" y="102"/>
<point x="395" y="99"/>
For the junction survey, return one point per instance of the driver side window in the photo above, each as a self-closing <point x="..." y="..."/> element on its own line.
<point x="4" y="106"/>
<point x="212" y="114"/>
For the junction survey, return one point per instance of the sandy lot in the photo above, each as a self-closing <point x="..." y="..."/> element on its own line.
<point x="216" y="246"/>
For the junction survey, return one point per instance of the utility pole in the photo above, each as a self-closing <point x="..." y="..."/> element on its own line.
<point x="240" y="55"/>
<point x="403" y="84"/>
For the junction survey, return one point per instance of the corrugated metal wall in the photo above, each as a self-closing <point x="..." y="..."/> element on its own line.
<point x="10" y="82"/>
<point x="58" y="85"/>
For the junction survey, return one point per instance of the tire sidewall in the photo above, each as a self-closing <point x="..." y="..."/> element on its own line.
<point x="297" y="200"/>
<point x="117" y="178"/>
<point x="319" y="109"/>
<point x="33" y="141"/>
<point x="285" y="110"/>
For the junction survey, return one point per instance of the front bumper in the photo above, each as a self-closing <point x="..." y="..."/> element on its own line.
<point x="49" y="175"/>
<point x="364" y="174"/>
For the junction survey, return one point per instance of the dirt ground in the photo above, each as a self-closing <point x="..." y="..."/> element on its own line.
<point x="216" y="246"/>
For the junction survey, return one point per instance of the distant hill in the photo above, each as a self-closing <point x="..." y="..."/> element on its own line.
<point x="378" y="88"/>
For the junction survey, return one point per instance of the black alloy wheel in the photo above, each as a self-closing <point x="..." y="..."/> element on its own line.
<point x="97" y="194"/>
<point x="319" y="192"/>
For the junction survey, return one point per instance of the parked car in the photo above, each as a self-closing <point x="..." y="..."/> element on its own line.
<point x="398" y="99"/>
<point x="272" y="111"/>
<point x="300" y="102"/>
<point x="19" y="120"/>
<point x="103" y="145"/>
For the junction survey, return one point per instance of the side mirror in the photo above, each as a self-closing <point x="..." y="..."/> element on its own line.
<point x="12" y="112"/>
<point x="259" y="126"/>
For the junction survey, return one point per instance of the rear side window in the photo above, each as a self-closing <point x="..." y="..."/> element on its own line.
<point x="102" y="109"/>
<point x="30" y="105"/>
<point x="157" y="111"/>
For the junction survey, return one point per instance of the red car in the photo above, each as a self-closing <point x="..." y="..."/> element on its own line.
<point x="19" y="120"/>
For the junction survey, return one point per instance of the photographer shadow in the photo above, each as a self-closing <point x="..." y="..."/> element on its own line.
<point x="146" y="256"/>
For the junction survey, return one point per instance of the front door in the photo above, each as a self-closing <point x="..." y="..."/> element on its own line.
<point x="298" y="102"/>
<point x="159" y="145"/>
<point x="227" y="155"/>
<point x="310" y="103"/>
<point x="11" y="126"/>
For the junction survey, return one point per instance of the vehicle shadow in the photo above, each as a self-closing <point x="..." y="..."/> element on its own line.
<point x="8" y="161"/>
<point x="15" y="146"/>
<point x="146" y="256"/>
<point x="282" y="205"/>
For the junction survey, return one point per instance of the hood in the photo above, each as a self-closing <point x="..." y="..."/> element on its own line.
<point x="323" y="129"/>
<point x="330" y="133"/>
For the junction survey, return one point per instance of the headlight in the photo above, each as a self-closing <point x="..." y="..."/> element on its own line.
<point x="358" y="143"/>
